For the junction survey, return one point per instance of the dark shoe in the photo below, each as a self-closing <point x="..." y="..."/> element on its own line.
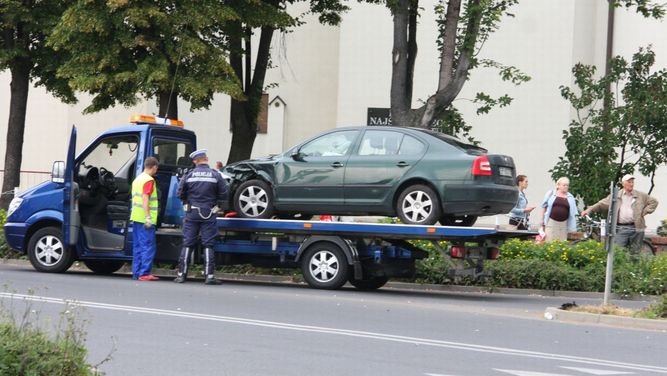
<point x="212" y="281"/>
<point x="179" y="279"/>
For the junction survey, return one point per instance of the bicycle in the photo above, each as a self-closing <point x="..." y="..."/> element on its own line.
<point x="592" y="232"/>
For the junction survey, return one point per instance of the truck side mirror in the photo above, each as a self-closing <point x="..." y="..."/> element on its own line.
<point x="58" y="172"/>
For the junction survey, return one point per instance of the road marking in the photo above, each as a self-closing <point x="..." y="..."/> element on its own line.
<point x="341" y="332"/>
<point x="527" y="373"/>
<point x="597" y="371"/>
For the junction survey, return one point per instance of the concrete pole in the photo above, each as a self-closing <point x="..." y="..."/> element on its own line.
<point x="612" y="218"/>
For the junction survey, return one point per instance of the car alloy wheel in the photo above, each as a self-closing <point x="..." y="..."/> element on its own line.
<point x="254" y="199"/>
<point x="418" y="205"/>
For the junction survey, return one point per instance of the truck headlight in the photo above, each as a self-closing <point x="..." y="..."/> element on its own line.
<point x="13" y="205"/>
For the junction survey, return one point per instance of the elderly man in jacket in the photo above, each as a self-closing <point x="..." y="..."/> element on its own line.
<point x="633" y="205"/>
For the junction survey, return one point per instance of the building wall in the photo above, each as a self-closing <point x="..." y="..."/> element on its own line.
<point x="329" y="76"/>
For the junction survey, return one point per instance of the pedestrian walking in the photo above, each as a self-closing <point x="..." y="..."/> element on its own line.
<point x="200" y="190"/>
<point x="559" y="211"/>
<point x="633" y="207"/>
<point x="143" y="217"/>
<point x="520" y="213"/>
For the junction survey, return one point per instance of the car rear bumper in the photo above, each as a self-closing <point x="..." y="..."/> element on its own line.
<point x="15" y="235"/>
<point x="479" y="200"/>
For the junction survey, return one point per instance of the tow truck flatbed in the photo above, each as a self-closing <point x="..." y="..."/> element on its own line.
<point x="376" y="230"/>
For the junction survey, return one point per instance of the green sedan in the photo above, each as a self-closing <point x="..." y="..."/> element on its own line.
<point x="420" y="176"/>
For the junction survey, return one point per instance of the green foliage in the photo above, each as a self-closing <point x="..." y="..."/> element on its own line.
<point x="585" y="263"/>
<point x="540" y="274"/>
<point x="121" y="50"/>
<point x="27" y="350"/>
<point x="26" y="26"/>
<point x="614" y="135"/>
<point x="657" y="310"/>
<point x="5" y="252"/>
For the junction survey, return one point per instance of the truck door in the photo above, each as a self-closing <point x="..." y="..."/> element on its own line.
<point x="71" y="217"/>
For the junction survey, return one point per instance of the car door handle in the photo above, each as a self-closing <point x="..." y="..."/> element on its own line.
<point x="337" y="164"/>
<point x="402" y="164"/>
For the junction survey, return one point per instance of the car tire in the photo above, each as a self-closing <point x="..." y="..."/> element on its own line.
<point x="104" y="266"/>
<point x="418" y="205"/>
<point x="254" y="199"/>
<point x="325" y="266"/>
<point x="47" y="251"/>
<point x="462" y="220"/>
<point x="370" y="284"/>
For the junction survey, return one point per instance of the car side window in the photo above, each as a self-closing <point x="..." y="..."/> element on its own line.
<point x="376" y="142"/>
<point x="332" y="144"/>
<point x="411" y="146"/>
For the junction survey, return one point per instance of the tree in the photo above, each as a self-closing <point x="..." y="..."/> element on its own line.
<point x="24" y="27"/>
<point x="604" y="142"/>
<point x="123" y="50"/>
<point x="267" y="17"/>
<point x="463" y="29"/>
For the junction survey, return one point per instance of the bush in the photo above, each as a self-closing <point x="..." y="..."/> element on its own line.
<point x="26" y="350"/>
<point x="557" y="265"/>
<point x="5" y="252"/>
<point x="540" y="274"/>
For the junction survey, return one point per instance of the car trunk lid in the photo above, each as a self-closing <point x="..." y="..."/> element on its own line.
<point x="496" y="168"/>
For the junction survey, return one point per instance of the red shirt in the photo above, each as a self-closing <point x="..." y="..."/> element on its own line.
<point x="148" y="187"/>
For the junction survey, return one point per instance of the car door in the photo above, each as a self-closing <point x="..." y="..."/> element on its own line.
<point x="378" y="165"/>
<point x="313" y="175"/>
<point x="71" y="217"/>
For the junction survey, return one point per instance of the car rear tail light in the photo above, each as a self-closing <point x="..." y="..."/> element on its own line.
<point x="492" y="253"/>
<point x="481" y="166"/>
<point x="457" y="251"/>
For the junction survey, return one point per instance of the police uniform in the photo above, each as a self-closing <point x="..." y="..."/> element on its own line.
<point x="200" y="190"/>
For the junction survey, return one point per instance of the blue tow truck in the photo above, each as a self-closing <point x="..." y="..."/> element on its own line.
<point x="82" y="214"/>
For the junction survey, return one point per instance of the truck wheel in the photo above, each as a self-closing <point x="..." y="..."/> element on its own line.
<point x="47" y="251"/>
<point x="324" y="266"/>
<point x="418" y="205"/>
<point x="104" y="266"/>
<point x="254" y="199"/>
<point x="370" y="284"/>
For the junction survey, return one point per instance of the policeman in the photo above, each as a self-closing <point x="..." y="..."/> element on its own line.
<point x="200" y="190"/>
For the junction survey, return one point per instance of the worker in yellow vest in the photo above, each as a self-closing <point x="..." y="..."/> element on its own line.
<point x="143" y="218"/>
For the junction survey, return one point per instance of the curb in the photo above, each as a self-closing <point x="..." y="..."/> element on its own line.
<point x="553" y="313"/>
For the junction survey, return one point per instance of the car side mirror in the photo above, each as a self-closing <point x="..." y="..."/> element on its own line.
<point x="58" y="172"/>
<point x="297" y="155"/>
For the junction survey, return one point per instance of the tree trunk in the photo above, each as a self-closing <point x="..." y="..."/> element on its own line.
<point x="450" y="87"/>
<point x="168" y="104"/>
<point x="401" y="89"/>
<point x="243" y="116"/>
<point x="15" y="130"/>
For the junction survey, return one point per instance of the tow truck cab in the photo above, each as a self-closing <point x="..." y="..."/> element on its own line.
<point x="82" y="213"/>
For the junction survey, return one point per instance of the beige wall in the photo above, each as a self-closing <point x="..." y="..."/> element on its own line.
<point x="329" y="76"/>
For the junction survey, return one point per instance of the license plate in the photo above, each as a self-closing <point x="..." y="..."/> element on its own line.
<point x="505" y="171"/>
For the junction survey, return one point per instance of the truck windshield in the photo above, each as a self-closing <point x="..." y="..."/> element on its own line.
<point x="112" y="153"/>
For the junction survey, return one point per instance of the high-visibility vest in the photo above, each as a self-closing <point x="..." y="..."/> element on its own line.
<point x="138" y="214"/>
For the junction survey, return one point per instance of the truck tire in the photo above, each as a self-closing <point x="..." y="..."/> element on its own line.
<point x="47" y="251"/>
<point x="370" y="284"/>
<point x="418" y="205"/>
<point x="104" y="266"/>
<point x="254" y="199"/>
<point x="324" y="266"/>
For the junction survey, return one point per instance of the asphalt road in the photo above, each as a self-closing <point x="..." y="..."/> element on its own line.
<point x="240" y="328"/>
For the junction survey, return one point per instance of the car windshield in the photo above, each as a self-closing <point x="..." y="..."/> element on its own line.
<point x="468" y="148"/>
